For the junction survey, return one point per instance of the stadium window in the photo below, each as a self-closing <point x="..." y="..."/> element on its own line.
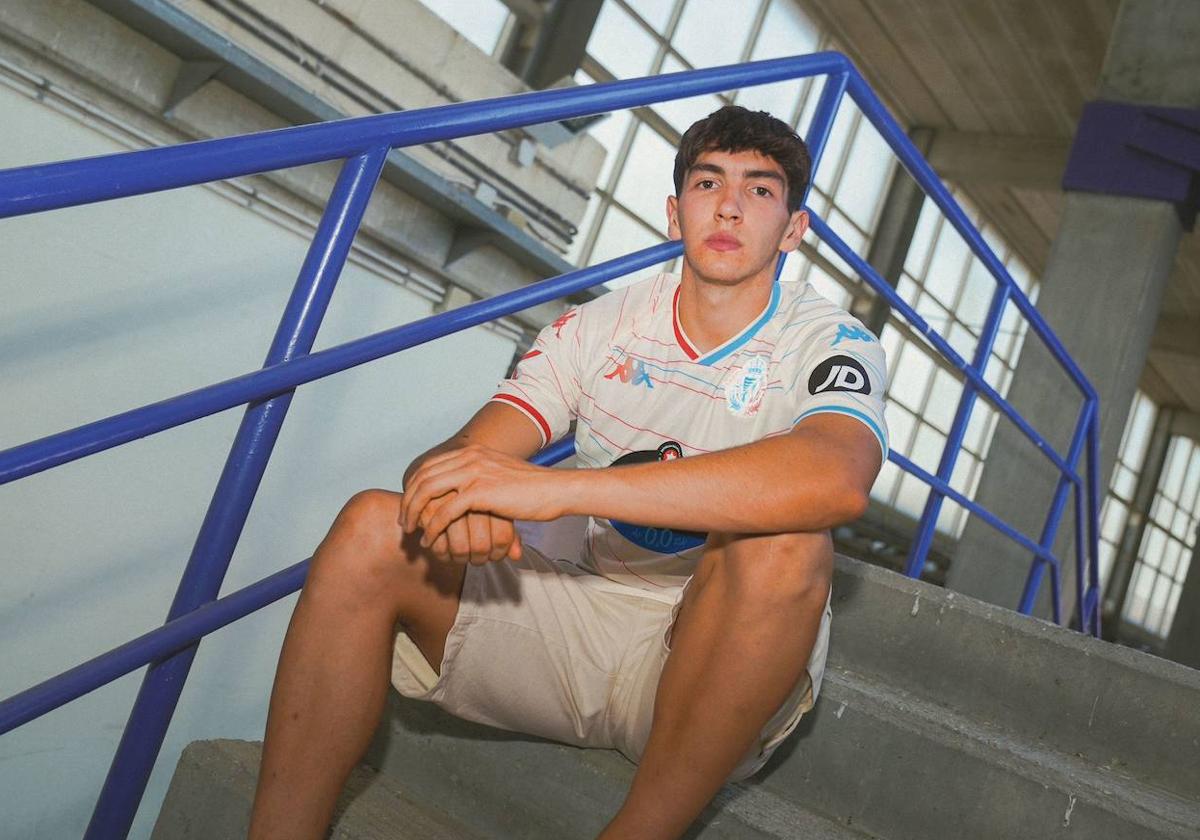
<point x="1169" y="542"/>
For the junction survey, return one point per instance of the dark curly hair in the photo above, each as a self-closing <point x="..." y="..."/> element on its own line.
<point x="737" y="129"/>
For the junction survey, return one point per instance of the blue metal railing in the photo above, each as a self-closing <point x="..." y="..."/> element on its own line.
<point x="363" y="144"/>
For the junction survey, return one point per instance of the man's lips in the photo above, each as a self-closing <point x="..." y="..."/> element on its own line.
<point x="722" y="242"/>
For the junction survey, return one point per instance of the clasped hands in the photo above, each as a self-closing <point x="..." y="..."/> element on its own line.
<point x="464" y="502"/>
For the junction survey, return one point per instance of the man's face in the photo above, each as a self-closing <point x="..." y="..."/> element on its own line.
<point x="731" y="213"/>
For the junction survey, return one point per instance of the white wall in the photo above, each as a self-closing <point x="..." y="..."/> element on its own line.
<point x="105" y="308"/>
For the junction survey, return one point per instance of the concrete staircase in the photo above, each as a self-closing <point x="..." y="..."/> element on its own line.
<point x="940" y="717"/>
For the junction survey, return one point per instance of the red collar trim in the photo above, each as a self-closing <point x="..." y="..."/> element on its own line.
<point x="684" y="344"/>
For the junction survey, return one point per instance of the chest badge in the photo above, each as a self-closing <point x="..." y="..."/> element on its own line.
<point x="744" y="393"/>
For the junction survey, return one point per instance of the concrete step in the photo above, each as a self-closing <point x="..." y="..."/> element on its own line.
<point x="1110" y="706"/>
<point x="505" y="785"/>
<point x="940" y="717"/>
<point x="213" y="787"/>
<point x="496" y="786"/>
<point x="893" y="763"/>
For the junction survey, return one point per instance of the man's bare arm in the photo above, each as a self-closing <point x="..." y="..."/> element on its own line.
<point x="816" y="476"/>
<point x="495" y="426"/>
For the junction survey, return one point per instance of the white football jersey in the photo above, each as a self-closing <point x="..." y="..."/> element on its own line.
<point x="623" y="368"/>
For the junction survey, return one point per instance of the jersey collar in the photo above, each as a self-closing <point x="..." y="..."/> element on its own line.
<point x="730" y="346"/>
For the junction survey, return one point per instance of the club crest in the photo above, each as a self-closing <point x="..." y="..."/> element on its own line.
<point x="744" y="393"/>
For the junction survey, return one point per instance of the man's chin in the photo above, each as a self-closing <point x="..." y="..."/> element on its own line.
<point x="722" y="275"/>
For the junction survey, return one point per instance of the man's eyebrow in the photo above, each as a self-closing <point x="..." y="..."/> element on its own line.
<point x="764" y="173"/>
<point x="750" y="173"/>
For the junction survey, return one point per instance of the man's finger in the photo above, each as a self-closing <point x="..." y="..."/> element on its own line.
<point x="456" y="505"/>
<point x="460" y="540"/>
<point x="481" y="537"/>
<point x="501" y="537"/>
<point x="441" y="549"/>
<point x="424" y="490"/>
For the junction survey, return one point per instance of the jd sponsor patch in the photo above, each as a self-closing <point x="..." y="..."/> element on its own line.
<point x="839" y="373"/>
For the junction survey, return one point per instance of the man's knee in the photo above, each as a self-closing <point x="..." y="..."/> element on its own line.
<point x="364" y="549"/>
<point x="777" y="568"/>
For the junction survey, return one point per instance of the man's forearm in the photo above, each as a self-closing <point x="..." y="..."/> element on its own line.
<point x="794" y="482"/>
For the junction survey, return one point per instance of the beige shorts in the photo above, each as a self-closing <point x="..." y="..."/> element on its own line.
<point x="546" y="648"/>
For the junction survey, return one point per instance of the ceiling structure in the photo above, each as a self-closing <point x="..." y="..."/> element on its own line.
<point x="1001" y="84"/>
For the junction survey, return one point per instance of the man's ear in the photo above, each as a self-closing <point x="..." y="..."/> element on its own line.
<point x="673" y="231"/>
<point x="797" y="226"/>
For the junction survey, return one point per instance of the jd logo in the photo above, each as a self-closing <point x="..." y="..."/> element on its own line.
<point x="631" y="370"/>
<point x="839" y="373"/>
<point x="849" y="333"/>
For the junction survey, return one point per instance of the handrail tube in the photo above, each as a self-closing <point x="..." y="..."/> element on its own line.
<point x="32" y="189"/>
<point x="868" y="273"/>
<point x="1081" y="572"/>
<point x="1093" y="500"/>
<point x="1033" y="578"/>
<point x="48" y="695"/>
<point x="958" y="430"/>
<point x="99" y="435"/>
<point x="983" y="513"/>
<point x="924" y="175"/>
<point x="158" y="643"/>
<point x="822" y="122"/>
<point x="222" y="526"/>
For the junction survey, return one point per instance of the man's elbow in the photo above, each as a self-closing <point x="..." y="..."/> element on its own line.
<point x="855" y="503"/>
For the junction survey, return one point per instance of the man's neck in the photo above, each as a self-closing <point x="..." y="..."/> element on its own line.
<point x="712" y="313"/>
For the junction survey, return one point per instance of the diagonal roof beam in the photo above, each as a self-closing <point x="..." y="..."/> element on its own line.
<point x="970" y="157"/>
<point x="1177" y="335"/>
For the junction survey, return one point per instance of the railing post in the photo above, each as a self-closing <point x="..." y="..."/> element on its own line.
<point x="1033" y="580"/>
<point x="226" y="516"/>
<point x="1093" y="480"/>
<point x="822" y="121"/>
<point x="958" y="430"/>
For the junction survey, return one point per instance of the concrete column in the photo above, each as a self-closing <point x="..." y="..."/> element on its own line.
<point x="557" y="44"/>
<point x="1183" y="643"/>
<point x="1101" y="293"/>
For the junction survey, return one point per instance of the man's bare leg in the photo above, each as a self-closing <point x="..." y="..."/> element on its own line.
<point x="336" y="660"/>
<point x="740" y="643"/>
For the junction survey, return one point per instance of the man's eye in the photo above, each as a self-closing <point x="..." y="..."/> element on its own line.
<point x="762" y="191"/>
<point x="706" y="184"/>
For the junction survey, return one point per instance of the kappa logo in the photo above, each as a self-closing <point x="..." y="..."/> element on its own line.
<point x="562" y="322"/>
<point x="851" y="333"/>
<point x="839" y="373"/>
<point x="632" y="371"/>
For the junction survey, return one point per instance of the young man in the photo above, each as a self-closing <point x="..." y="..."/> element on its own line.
<point x="725" y="422"/>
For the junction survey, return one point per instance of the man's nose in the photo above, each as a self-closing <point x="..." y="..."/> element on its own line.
<point x="729" y="208"/>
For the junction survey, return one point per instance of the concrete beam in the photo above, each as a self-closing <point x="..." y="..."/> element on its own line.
<point x="968" y="157"/>
<point x="1186" y="424"/>
<point x="1178" y="335"/>
<point x="528" y="11"/>
<point x="561" y="42"/>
